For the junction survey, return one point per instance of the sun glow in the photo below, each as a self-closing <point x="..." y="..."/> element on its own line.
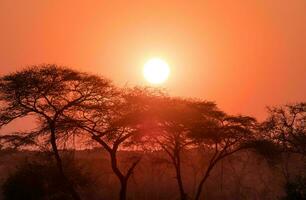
<point x="156" y="71"/>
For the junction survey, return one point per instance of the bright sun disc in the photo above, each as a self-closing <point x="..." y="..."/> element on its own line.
<point x="156" y="71"/>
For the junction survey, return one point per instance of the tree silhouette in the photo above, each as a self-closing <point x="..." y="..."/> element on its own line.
<point x="182" y="124"/>
<point x="219" y="138"/>
<point x="285" y="131"/>
<point x="120" y="124"/>
<point x="49" y="93"/>
<point x="286" y="127"/>
<point x="193" y="124"/>
<point x="174" y="119"/>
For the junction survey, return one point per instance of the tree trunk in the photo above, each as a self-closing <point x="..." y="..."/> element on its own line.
<point x="200" y="187"/>
<point x="114" y="165"/>
<point x="179" y="177"/>
<point x="123" y="180"/>
<point x="59" y="163"/>
<point x="123" y="189"/>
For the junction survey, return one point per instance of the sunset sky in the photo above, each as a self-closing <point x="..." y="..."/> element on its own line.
<point x="242" y="54"/>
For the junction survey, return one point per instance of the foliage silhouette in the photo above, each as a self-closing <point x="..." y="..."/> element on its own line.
<point x="286" y="126"/>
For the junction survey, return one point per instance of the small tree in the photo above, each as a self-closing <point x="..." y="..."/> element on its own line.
<point x="286" y="127"/>
<point x="285" y="131"/>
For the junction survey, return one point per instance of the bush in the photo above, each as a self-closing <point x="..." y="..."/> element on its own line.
<point x="41" y="180"/>
<point x="296" y="190"/>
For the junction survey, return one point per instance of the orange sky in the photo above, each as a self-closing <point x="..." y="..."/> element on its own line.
<point x="243" y="54"/>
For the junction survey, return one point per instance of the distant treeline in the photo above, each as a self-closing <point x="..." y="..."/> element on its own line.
<point x="74" y="108"/>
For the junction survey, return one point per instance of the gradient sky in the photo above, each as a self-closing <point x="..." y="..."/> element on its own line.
<point x="242" y="54"/>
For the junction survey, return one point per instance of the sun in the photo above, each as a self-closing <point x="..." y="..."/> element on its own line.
<point x="156" y="71"/>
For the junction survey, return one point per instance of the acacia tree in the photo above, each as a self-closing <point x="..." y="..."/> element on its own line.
<point x="173" y="122"/>
<point x="219" y="138"/>
<point x="191" y="124"/>
<point x="120" y="126"/>
<point x="49" y="93"/>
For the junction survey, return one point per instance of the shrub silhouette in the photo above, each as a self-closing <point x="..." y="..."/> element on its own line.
<point x="35" y="180"/>
<point x="296" y="189"/>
